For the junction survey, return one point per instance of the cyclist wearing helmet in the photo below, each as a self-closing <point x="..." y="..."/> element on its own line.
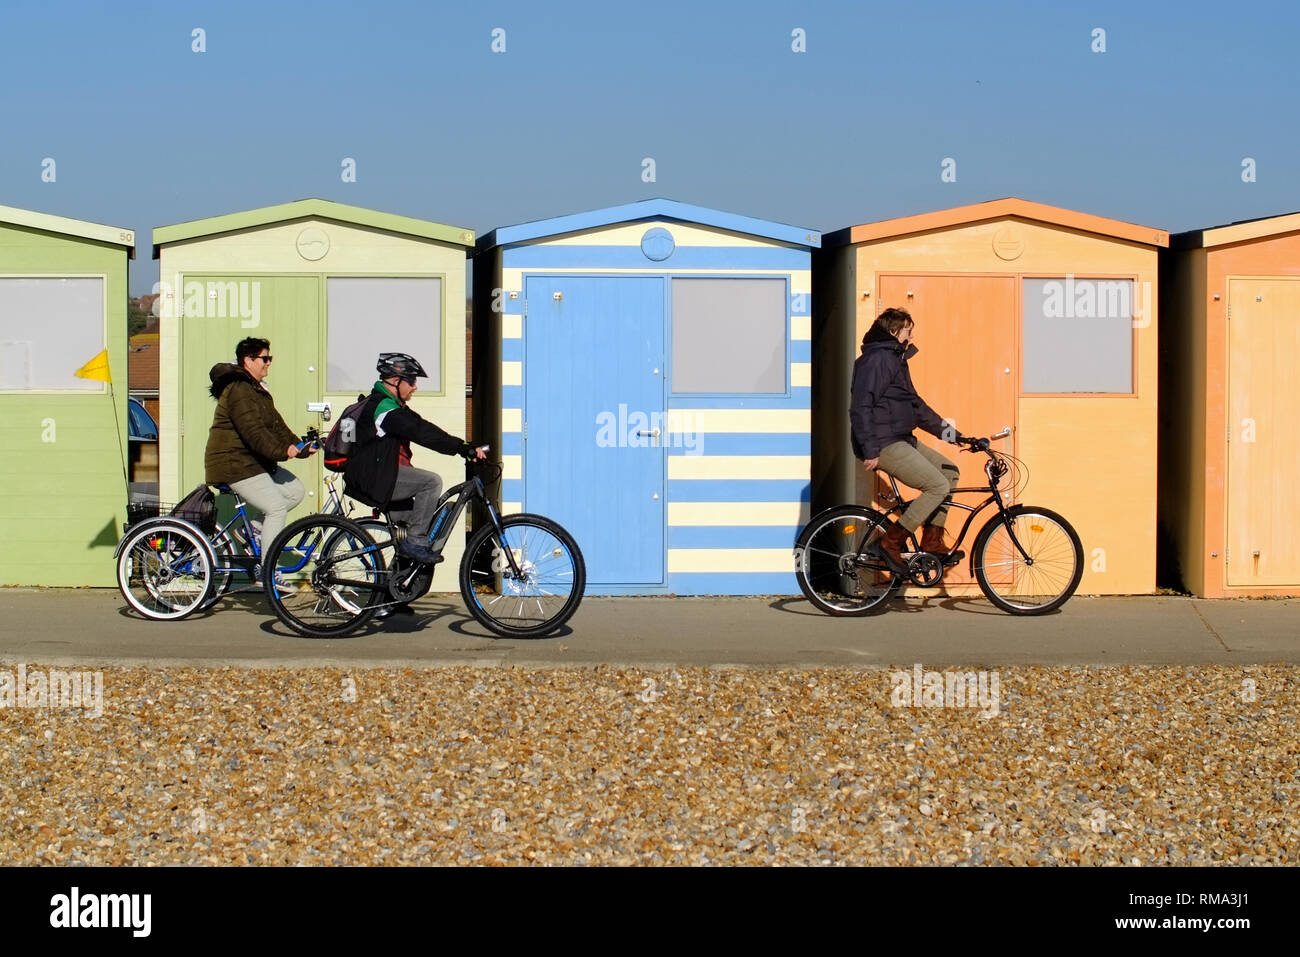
<point x="379" y="466"/>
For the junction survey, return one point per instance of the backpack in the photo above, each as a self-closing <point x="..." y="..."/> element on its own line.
<point x="199" y="507"/>
<point x="339" y="443"/>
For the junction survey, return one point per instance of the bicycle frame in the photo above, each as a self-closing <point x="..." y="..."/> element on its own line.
<point x="246" y="559"/>
<point x="447" y="514"/>
<point x="445" y="518"/>
<point x="995" y="497"/>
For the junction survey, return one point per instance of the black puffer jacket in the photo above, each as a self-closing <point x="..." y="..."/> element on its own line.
<point x="885" y="405"/>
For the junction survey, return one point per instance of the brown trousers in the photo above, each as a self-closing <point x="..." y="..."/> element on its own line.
<point x="929" y="473"/>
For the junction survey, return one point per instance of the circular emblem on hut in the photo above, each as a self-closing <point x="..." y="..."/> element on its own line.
<point x="1008" y="243"/>
<point x="312" y="243"/>
<point x="657" y="244"/>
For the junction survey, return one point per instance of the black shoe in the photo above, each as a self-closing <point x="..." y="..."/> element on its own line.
<point x="419" y="553"/>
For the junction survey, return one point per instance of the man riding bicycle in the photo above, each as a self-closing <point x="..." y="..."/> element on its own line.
<point x="884" y="412"/>
<point x="379" y="465"/>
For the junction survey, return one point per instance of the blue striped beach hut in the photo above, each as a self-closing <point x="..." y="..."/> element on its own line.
<point x="645" y="371"/>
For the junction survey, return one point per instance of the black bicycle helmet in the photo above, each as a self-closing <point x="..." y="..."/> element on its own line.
<point x="399" y="364"/>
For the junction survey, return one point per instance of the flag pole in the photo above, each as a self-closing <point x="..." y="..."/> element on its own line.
<point x="98" y="370"/>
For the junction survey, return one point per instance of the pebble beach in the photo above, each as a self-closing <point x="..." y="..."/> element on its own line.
<point x="693" y="766"/>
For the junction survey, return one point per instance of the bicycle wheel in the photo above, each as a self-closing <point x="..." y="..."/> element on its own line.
<point x="1039" y="585"/>
<point x="552" y="576"/>
<point x="164" y="570"/>
<point x="336" y="576"/>
<point x="836" y="566"/>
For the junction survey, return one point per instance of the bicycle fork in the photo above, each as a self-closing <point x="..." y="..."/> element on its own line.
<point x="515" y="571"/>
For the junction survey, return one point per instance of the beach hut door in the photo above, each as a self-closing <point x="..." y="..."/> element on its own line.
<point x="1263" y="407"/>
<point x="593" y="456"/>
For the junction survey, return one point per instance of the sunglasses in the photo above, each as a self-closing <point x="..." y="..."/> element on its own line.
<point x="408" y="379"/>
<point x="266" y="359"/>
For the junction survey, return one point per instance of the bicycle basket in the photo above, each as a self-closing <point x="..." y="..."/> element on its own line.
<point x="199" y="507"/>
<point x="137" y="512"/>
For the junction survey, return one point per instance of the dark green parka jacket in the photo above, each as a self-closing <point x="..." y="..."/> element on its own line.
<point x="247" y="435"/>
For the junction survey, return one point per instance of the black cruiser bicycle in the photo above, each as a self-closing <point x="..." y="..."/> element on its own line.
<point x="1028" y="560"/>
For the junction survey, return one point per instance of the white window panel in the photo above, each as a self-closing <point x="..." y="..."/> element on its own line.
<point x="370" y="315"/>
<point x="50" y="328"/>
<point x="1078" y="335"/>
<point x="729" y="336"/>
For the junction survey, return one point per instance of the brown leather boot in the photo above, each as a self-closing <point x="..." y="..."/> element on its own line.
<point x="932" y="540"/>
<point x="892" y="542"/>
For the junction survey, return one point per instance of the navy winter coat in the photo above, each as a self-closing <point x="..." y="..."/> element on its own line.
<point x="885" y="405"/>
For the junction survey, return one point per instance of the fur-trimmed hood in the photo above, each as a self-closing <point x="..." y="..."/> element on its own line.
<point x="224" y="373"/>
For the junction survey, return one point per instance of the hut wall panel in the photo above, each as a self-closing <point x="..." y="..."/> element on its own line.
<point x="735" y="509"/>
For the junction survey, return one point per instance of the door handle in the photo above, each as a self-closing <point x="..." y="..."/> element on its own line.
<point x="651" y="432"/>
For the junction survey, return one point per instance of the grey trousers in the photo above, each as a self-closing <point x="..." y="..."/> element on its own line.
<point x="426" y="487"/>
<point x="273" y="496"/>
<point x="929" y="473"/>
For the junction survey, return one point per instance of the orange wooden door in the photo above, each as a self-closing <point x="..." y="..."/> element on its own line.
<point x="964" y="369"/>
<point x="1263" y="407"/>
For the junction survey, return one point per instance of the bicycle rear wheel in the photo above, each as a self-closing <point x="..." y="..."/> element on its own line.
<point x="335" y="573"/>
<point x="164" y="570"/>
<point x="546" y="592"/>
<point x="836" y="565"/>
<point x="1043" y="583"/>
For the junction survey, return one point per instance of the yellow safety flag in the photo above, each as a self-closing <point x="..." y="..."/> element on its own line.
<point x="96" y="368"/>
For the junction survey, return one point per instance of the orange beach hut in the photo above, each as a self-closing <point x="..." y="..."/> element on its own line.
<point x="1230" y="502"/>
<point x="1029" y="316"/>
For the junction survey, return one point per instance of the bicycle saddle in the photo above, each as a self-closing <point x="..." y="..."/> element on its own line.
<point x="396" y="505"/>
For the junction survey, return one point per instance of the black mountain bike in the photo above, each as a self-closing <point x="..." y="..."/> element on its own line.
<point x="521" y="575"/>
<point x="1027" y="560"/>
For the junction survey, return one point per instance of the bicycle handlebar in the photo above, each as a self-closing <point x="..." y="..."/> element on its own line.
<point x="309" y="442"/>
<point x="982" y="444"/>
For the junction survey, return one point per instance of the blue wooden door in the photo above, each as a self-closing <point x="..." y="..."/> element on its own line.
<point x="593" y="400"/>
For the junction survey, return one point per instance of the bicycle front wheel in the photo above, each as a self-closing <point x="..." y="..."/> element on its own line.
<point x="1033" y="585"/>
<point x="335" y="573"/>
<point x="545" y="591"/>
<point x="836" y="565"/>
<point x="164" y="570"/>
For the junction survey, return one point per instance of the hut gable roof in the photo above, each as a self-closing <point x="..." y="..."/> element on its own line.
<point x="658" y="208"/>
<point x="311" y="209"/>
<point x="114" y="235"/>
<point x="1009" y="207"/>
<point x="1240" y="231"/>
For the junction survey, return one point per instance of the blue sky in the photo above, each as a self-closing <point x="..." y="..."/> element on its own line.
<point x="146" y="132"/>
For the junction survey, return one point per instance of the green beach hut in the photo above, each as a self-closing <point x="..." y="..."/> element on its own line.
<point x="330" y="286"/>
<point x="63" y="485"/>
